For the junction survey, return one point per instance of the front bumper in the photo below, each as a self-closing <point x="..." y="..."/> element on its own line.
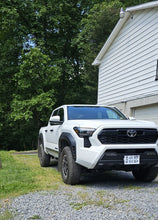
<point x="112" y="156"/>
<point x="114" y="159"/>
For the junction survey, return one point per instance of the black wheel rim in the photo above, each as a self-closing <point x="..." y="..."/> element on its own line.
<point x="65" y="169"/>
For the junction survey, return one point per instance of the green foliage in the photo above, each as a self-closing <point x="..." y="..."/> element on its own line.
<point x="33" y="98"/>
<point x="47" y="48"/>
<point x="34" y="87"/>
<point x="134" y="2"/>
<point x="96" y="28"/>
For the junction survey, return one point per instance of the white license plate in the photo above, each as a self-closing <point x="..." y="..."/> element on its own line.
<point x="131" y="159"/>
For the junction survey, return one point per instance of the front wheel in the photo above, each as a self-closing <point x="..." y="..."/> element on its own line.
<point x="70" y="170"/>
<point x="145" y="174"/>
<point x="43" y="157"/>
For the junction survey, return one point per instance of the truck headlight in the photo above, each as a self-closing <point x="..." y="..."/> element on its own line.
<point x="84" y="132"/>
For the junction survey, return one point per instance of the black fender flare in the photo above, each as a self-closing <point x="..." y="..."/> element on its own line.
<point x="40" y="136"/>
<point x="66" y="139"/>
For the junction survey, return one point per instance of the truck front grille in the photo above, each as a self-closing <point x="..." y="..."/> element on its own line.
<point x="128" y="136"/>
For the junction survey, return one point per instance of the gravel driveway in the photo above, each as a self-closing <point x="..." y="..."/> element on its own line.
<point x="115" y="195"/>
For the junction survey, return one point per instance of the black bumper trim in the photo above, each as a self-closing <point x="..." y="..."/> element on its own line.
<point x="114" y="159"/>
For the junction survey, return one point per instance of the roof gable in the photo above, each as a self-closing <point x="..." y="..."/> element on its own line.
<point x="127" y="14"/>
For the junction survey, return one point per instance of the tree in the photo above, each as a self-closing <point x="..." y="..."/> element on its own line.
<point x="33" y="97"/>
<point x="56" y="24"/>
<point x="11" y="43"/>
<point x="96" y="28"/>
<point x="0" y="164"/>
<point x="51" y="26"/>
<point x="128" y="3"/>
<point x="47" y="48"/>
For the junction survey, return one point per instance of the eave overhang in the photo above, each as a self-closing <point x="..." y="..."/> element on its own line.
<point x="119" y="26"/>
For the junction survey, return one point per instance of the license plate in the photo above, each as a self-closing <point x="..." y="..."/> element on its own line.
<point x="131" y="159"/>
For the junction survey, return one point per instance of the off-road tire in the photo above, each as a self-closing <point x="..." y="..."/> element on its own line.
<point x="70" y="170"/>
<point x="43" y="157"/>
<point x="145" y="174"/>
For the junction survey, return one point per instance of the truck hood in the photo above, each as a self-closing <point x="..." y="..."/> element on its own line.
<point x="113" y="123"/>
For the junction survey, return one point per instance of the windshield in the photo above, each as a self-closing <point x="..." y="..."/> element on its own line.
<point x="93" y="112"/>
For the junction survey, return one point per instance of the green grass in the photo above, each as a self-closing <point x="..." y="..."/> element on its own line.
<point x="132" y="187"/>
<point x="99" y="198"/>
<point x="21" y="174"/>
<point x="6" y="216"/>
<point x="35" y="217"/>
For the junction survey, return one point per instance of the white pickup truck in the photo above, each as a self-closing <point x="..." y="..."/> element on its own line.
<point x="98" y="138"/>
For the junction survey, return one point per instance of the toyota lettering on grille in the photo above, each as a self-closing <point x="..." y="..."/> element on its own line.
<point x="131" y="133"/>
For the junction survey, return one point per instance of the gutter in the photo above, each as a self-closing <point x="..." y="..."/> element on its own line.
<point x="110" y="40"/>
<point x="143" y="6"/>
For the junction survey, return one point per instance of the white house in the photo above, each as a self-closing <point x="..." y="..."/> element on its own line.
<point x="128" y="63"/>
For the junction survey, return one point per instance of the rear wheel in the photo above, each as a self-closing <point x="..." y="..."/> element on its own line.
<point x="43" y="157"/>
<point x="145" y="174"/>
<point x="70" y="170"/>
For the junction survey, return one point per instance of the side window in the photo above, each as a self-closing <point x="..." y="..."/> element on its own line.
<point x="61" y="114"/>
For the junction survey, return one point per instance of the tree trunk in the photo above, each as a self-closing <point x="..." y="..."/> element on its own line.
<point x="0" y="164"/>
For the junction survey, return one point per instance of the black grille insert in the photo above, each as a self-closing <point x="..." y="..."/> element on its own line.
<point x="120" y="136"/>
<point x="86" y="142"/>
<point x="119" y="154"/>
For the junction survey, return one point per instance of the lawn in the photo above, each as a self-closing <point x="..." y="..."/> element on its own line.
<point x="21" y="174"/>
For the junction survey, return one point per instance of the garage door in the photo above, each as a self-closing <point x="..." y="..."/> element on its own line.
<point x="149" y="112"/>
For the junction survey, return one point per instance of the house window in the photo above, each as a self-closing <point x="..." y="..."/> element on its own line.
<point x="156" y="71"/>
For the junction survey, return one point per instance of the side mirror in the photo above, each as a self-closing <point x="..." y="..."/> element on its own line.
<point x="55" y="120"/>
<point x="131" y="118"/>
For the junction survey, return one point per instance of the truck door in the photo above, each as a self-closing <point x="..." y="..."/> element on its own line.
<point x="53" y="131"/>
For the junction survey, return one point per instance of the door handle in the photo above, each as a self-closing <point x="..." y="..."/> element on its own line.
<point x="51" y="130"/>
<point x="46" y="130"/>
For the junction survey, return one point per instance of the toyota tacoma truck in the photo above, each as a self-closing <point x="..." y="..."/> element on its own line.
<point x="94" y="137"/>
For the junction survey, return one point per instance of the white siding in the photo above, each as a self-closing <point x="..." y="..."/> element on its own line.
<point x="128" y="69"/>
